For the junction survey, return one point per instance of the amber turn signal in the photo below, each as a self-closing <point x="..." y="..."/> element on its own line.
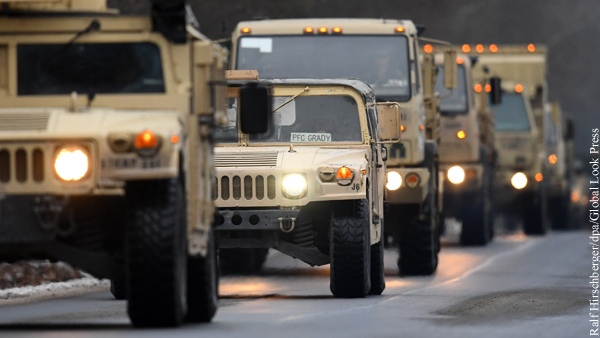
<point x="344" y="173"/>
<point x="146" y="140"/>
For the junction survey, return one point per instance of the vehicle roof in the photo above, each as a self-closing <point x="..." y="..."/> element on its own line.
<point x="348" y="25"/>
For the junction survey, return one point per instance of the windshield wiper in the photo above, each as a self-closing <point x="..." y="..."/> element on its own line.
<point x="291" y="99"/>
<point x="94" y="26"/>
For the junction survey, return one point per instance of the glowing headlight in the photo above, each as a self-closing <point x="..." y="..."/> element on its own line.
<point x="394" y="180"/>
<point x="519" y="180"/>
<point x="294" y="186"/>
<point x="71" y="164"/>
<point x="456" y="175"/>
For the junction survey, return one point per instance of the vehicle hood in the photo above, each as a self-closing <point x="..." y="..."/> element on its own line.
<point x="34" y="124"/>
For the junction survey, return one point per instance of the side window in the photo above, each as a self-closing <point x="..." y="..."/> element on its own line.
<point x="416" y="62"/>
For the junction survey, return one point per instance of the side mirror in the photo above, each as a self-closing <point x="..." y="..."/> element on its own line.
<point x="388" y="117"/>
<point x="384" y="154"/>
<point x="450" y="69"/>
<point x="255" y="108"/>
<point x="496" y="92"/>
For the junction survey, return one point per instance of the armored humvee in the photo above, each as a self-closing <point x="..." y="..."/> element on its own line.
<point x="466" y="153"/>
<point x="312" y="187"/>
<point x="106" y="150"/>
<point x="382" y="53"/>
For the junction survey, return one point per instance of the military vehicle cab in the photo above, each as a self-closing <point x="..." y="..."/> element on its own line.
<point x="383" y="54"/>
<point x="312" y="186"/>
<point x="105" y="149"/>
<point x="466" y="158"/>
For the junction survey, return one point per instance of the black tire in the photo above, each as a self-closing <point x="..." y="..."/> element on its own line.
<point x="475" y="227"/>
<point x="534" y="222"/>
<point x="118" y="288"/>
<point x="203" y="285"/>
<point x="559" y="213"/>
<point x="419" y="237"/>
<point x="242" y="261"/>
<point x="377" y="266"/>
<point x="157" y="253"/>
<point x="475" y="217"/>
<point x="418" y="242"/>
<point x="350" y="252"/>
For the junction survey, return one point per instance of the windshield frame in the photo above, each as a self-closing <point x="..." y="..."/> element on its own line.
<point x="169" y="99"/>
<point x="315" y="90"/>
<point x="409" y="55"/>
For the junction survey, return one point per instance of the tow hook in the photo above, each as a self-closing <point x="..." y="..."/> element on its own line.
<point x="47" y="210"/>
<point x="286" y="224"/>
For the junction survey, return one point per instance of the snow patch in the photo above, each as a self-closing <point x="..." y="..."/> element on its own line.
<point x="87" y="282"/>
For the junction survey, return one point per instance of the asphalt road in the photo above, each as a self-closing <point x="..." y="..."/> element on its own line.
<point x="517" y="286"/>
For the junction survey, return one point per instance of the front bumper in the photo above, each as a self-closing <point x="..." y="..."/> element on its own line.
<point x="405" y="194"/>
<point x="256" y="219"/>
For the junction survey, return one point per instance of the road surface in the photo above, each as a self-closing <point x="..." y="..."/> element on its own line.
<point x="517" y="286"/>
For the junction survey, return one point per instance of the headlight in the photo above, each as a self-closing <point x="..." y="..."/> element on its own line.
<point x="394" y="180"/>
<point x="71" y="164"/>
<point x="456" y="175"/>
<point x="294" y="186"/>
<point x="519" y="180"/>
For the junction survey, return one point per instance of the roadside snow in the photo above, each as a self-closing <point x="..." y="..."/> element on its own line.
<point x="85" y="283"/>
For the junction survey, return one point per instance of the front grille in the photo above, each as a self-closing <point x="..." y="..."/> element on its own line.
<point x="21" y="165"/>
<point x="252" y="187"/>
<point x="259" y="159"/>
<point x="24" y="121"/>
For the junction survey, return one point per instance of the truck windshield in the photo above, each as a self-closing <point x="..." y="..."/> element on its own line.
<point x="380" y="61"/>
<point x="453" y="101"/>
<point x="99" y="68"/>
<point x="313" y="119"/>
<point x="511" y="113"/>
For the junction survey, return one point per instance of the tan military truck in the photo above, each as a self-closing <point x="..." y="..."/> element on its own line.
<point x="465" y="155"/>
<point x="520" y="155"/>
<point x="523" y="68"/>
<point x="382" y="53"/>
<point x="106" y="152"/>
<point x="312" y="187"/>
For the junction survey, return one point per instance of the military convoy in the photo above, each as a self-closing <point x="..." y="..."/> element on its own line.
<point x="336" y="137"/>
<point x="106" y="150"/>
